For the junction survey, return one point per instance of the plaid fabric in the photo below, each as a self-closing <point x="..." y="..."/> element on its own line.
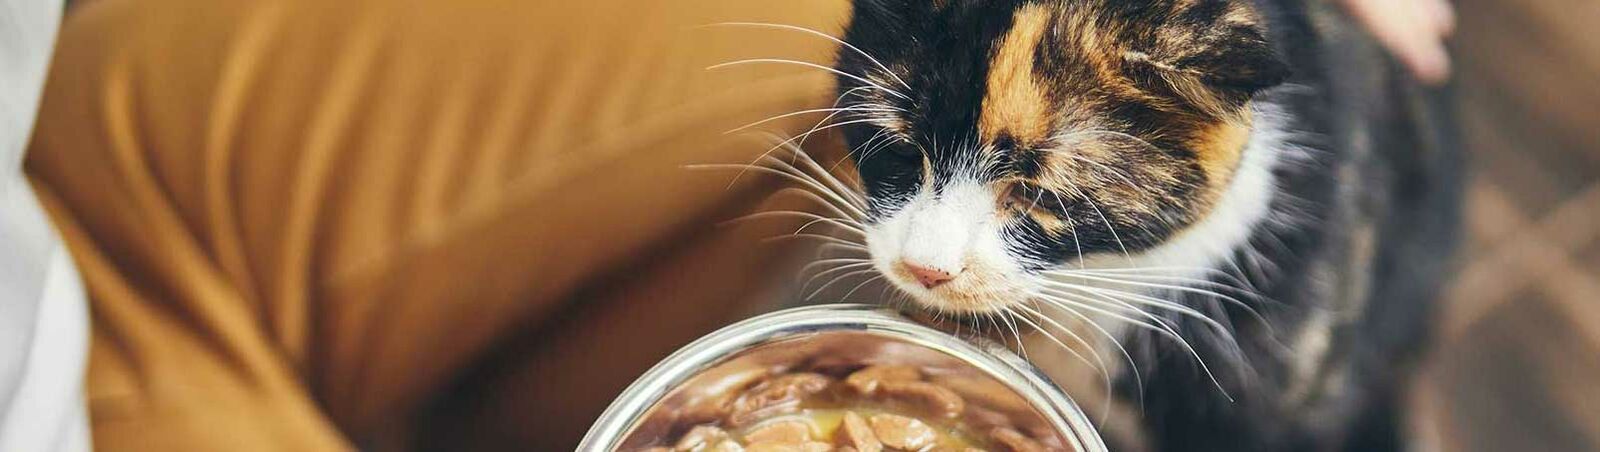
<point x="1521" y="333"/>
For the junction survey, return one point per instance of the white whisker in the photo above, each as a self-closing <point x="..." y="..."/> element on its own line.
<point x="835" y="269"/>
<point x="824" y="202"/>
<point x="853" y="290"/>
<point x="1168" y="277"/>
<point x="839" y="185"/>
<point x="824" y="238"/>
<point x="1006" y="316"/>
<point x="787" y="144"/>
<point x="842" y="223"/>
<point x="829" y="249"/>
<point x="1163" y="329"/>
<point x="836" y="280"/>
<point x="863" y="80"/>
<point x="1132" y="364"/>
<point x="1172" y="287"/>
<point x="835" y="260"/>
<point x="823" y="220"/>
<point x="1103" y="219"/>
<point x="845" y="194"/>
<point x="852" y="47"/>
<point x="862" y="107"/>
<point x="1141" y="299"/>
<point x="1098" y="364"/>
<point x="784" y="174"/>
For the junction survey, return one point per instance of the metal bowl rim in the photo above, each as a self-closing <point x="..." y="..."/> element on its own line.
<point x="628" y="410"/>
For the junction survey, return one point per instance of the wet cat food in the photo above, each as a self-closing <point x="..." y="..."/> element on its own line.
<point x="866" y="409"/>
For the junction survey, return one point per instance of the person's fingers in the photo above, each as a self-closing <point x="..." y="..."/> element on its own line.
<point x="1423" y="46"/>
<point x="1430" y="63"/>
<point x="1412" y="30"/>
<point x="1444" y="16"/>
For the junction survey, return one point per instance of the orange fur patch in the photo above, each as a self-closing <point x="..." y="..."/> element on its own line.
<point x="1219" y="147"/>
<point x="1016" y="104"/>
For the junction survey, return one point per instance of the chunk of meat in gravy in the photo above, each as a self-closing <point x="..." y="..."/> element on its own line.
<point x="866" y="380"/>
<point x="884" y="408"/>
<point x="1015" y="441"/>
<point x="787" y="432"/>
<point x="811" y="446"/>
<point x="712" y="403"/>
<point x="701" y="436"/>
<point x="902" y="432"/>
<point x="984" y="392"/>
<point x="934" y="399"/>
<point x="779" y="395"/>
<point x="983" y="419"/>
<point x="855" y="434"/>
<point x="706" y="409"/>
<point x="725" y="446"/>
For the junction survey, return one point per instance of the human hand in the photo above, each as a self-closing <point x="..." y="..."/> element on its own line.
<point x="1413" y="30"/>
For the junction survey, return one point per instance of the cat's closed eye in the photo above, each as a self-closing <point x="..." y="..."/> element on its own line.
<point x="905" y="151"/>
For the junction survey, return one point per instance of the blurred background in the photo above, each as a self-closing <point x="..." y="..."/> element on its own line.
<point x="1520" y="355"/>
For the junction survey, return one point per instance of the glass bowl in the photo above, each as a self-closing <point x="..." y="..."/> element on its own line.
<point x="650" y="409"/>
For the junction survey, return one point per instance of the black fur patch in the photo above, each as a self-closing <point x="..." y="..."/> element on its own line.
<point x="945" y="52"/>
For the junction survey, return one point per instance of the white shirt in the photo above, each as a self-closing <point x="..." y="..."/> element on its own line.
<point x="44" y="323"/>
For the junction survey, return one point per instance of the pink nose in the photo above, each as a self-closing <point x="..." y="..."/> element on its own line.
<point x="929" y="277"/>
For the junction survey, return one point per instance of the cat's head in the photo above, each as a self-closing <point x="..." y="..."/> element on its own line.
<point x="999" y="139"/>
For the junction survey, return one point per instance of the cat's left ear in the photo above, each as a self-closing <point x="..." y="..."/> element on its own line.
<point x="1236" y="57"/>
<point x="1225" y="58"/>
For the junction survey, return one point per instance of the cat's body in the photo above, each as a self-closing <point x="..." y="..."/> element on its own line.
<point x="1089" y="151"/>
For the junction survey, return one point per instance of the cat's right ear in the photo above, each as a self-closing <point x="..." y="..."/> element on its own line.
<point x="880" y="25"/>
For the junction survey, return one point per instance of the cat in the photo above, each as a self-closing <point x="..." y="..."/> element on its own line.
<point x="1228" y="218"/>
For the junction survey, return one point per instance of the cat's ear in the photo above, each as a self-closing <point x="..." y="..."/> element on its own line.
<point x="877" y="21"/>
<point x="1227" y="59"/>
<point x="1236" y="57"/>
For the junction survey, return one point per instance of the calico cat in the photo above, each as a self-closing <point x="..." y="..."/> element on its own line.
<point x="1234" y="214"/>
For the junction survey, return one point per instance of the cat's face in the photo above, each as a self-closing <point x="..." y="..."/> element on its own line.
<point x="1002" y="138"/>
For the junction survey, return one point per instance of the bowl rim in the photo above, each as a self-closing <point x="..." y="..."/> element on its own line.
<point x="628" y="410"/>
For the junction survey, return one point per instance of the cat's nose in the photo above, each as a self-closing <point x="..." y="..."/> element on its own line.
<point x="930" y="277"/>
